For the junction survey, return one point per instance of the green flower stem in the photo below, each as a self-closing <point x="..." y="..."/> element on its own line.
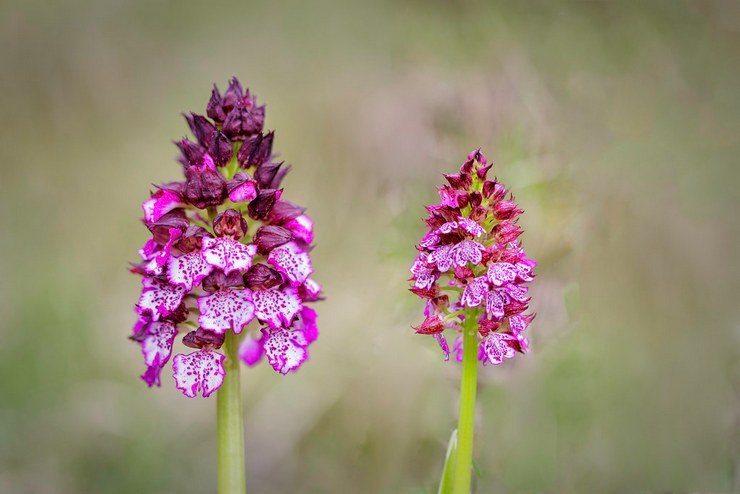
<point x="231" y="478"/>
<point x="465" y="424"/>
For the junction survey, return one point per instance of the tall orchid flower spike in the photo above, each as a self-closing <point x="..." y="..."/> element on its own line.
<point x="471" y="252"/>
<point x="227" y="267"/>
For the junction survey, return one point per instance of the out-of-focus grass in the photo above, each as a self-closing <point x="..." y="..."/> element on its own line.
<point x="614" y="123"/>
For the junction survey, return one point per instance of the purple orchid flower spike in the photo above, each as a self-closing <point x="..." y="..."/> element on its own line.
<point x="471" y="249"/>
<point x="228" y="255"/>
<point x="471" y="252"/>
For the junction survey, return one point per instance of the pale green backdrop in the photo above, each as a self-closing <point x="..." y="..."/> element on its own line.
<point x="616" y="124"/>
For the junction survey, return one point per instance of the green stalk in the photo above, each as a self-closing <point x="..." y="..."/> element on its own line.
<point x="230" y="458"/>
<point x="465" y="424"/>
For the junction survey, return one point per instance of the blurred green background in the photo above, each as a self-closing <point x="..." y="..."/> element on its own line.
<point x="615" y="123"/>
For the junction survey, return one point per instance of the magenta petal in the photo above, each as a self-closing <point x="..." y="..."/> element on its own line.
<point x="226" y="309"/>
<point x="517" y="292"/>
<point x="285" y="349"/>
<point x="523" y="270"/>
<point x="442" y="258"/>
<point x="301" y="227"/>
<point x="158" y="256"/>
<point x="448" y="227"/>
<point x="228" y="254"/>
<point x="275" y="307"/>
<point x="159" y="298"/>
<point x="474" y="292"/>
<point x="457" y="348"/>
<point x="188" y="270"/>
<point x="495" y="301"/>
<point x="312" y="290"/>
<point x="501" y="272"/>
<point x="495" y="349"/>
<point x="162" y="201"/>
<point x="470" y="226"/>
<point x="518" y="324"/>
<point x="244" y="193"/>
<point x="290" y="260"/>
<point x="424" y="276"/>
<point x="157" y="345"/>
<point x="201" y="370"/>
<point x="306" y="323"/>
<point x="467" y="251"/>
<point x="443" y="345"/>
<point x="252" y="349"/>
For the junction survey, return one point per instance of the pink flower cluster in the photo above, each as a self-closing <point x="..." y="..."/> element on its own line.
<point x="471" y="249"/>
<point x="226" y="250"/>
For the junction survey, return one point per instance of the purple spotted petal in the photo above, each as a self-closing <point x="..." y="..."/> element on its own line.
<point x="474" y="292"/>
<point x="443" y="345"/>
<point x="518" y="324"/>
<point x="275" y="307"/>
<point x="302" y="228"/>
<point x="424" y="275"/>
<point x="430" y="240"/>
<point x="306" y="323"/>
<point x="448" y="227"/>
<point x="228" y="254"/>
<point x="312" y="290"/>
<point x="495" y="302"/>
<point x="457" y="348"/>
<point x="159" y="298"/>
<point x="199" y="371"/>
<point x="494" y="348"/>
<point x="162" y="201"/>
<point x="517" y="292"/>
<point x="226" y="309"/>
<point x="285" y="349"/>
<point x="158" y="255"/>
<point x="501" y="272"/>
<point x="523" y="271"/>
<point x="188" y="270"/>
<point x="470" y="226"/>
<point x="244" y="193"/>
<point x="442" y="258"/>
<point x="157" y="348"/>
<point x="467" y="251"/>
<point x="290" y="260"/>
<point x="252" y="349"/>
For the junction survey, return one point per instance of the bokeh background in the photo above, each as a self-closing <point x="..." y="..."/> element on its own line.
<point x="616" y="124"/>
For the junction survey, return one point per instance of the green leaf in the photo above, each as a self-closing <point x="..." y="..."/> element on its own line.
<point x="445" y="485"/>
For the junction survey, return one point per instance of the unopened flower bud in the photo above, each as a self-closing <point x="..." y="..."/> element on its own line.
<point x="218" y="280"/>
<point x="220" y="148"/>
<point x="265" y="174"/>
<point x="431" y="325"/>
<point x="201" y="128"/>
<point x="261" y="205"/>
<point x="230" y="223"/>
<point x="215" y="109"/>
<point x="506" y="232"/>
<point x="505" y="210"/>
<point x="256" y="150"/>
<point x="160" y="229"/>
<point x="284" y="211"/>
<point x="192" y="153"/>
<point x="204" y="185"/>
<point x="262" y="276"/>
<point x="233" y="95"/>
<point x="243" y="122"/>
<point x="203" y="339"/>
<point x="192" y="239"/>
<point x="270" y="236"/>
<point x="242" y="188"/>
